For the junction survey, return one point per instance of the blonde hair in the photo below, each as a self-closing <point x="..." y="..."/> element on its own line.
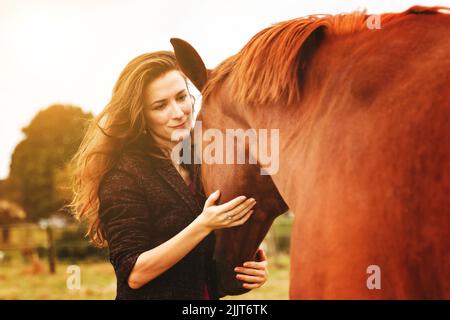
<point x="121" y="123"/>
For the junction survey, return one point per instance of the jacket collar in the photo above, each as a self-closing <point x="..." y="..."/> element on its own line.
<point x="169" y="173"/>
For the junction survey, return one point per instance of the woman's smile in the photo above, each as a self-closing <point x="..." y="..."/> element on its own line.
<point x="180" y="126"/>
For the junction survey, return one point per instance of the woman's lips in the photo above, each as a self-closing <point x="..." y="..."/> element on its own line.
<point x="180" y="126"/>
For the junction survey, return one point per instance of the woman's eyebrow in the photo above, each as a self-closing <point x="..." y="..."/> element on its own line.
<point x="163" y="100"/>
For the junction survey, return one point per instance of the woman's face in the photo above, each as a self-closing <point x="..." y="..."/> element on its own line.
<point x="168" y="107"/>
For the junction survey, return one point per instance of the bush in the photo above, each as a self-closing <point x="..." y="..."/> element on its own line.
<point x="72" y="245"/>
<point x="281" y="230"/>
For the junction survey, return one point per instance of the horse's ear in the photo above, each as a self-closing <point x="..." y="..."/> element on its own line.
<point x="190" y="62"/>
<point x="307" y="51"/>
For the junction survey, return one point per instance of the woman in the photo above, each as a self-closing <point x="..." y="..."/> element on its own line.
<point x="148" y="210"/>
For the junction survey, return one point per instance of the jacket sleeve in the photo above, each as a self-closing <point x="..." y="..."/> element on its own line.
<point x="124" y="216"/>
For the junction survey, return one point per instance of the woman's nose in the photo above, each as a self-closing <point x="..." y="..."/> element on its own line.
<point x="177" y="111"/>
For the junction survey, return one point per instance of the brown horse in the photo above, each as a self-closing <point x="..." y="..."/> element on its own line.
<point x="364" y="151"/>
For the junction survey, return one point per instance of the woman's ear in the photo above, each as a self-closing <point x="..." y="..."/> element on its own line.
<point x="190" y="62"/>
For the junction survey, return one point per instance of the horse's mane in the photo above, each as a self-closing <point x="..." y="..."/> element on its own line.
<point x="265" y="71"/>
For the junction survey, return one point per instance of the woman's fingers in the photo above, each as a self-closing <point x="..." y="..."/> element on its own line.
<point x="232" y="213"/>
<point x="250" y="279"/>
<point x="254" y="273"/>
<point x="242" y="208"/>
<point x="239" y="215"/>
<point x="227" y="206"/>
<point x="252" y="285"/>
<point x="256" y="265"/>
<point x="251" y="271"/>
<point x="242" y="220"/>
<point x="212" y="198"/>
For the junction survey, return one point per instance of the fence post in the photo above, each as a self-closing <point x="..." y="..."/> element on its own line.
<point x="51" y="250"/>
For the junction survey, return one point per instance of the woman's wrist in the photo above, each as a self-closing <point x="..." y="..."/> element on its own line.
<point x="201" y="225"/>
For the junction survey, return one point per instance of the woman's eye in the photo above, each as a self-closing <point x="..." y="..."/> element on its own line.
<point x="159" y="107"/>
<point x="182" y="98"/>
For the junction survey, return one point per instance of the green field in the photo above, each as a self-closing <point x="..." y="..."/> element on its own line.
<point x="98" y="282"/>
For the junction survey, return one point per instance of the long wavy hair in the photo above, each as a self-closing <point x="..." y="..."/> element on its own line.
<point x="121" y="123"/>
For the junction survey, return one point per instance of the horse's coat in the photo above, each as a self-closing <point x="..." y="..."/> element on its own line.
<point x="364" y="150"/>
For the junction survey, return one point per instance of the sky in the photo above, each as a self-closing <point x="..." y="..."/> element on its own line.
<point x="72" y="51"/>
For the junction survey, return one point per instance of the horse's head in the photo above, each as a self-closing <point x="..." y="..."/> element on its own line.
<point x="219" y="112"/>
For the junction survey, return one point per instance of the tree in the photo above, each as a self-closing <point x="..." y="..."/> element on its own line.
<point x="51" y="139"/>
<point x="63" y="183"/>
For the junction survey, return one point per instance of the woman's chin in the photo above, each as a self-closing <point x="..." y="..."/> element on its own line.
<point x="180" y="134"/>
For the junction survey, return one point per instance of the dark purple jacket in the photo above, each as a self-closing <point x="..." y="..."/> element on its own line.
<point x="144" y="202"/>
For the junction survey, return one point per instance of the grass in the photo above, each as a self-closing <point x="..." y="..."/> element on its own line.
<point x="17" y="281"/>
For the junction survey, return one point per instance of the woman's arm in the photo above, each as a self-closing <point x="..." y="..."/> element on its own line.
<point x="152" y="263"/>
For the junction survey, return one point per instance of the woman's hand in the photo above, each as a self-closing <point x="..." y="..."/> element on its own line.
<point x="230" y="214"/>
<point x="254" y="273"/>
